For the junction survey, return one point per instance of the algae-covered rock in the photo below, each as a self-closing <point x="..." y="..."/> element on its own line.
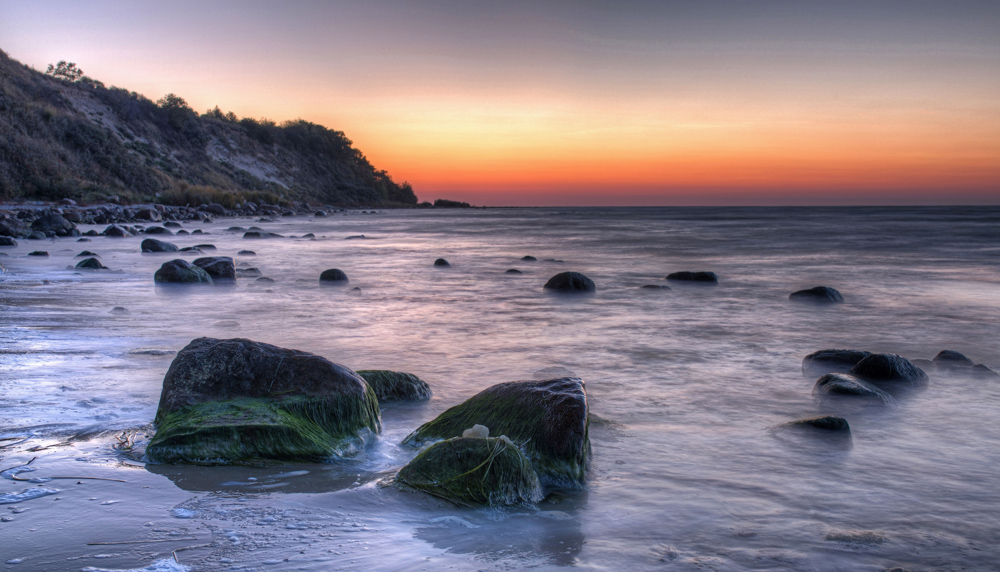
<point x="832" y="361"/>
<point x="238" y="400"/>
<point x="396" y="385"/>
<point x="474" y="471"/>
<point x="549" y="417"/>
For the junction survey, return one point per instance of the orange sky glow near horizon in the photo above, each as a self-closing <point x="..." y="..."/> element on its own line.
<point x="548" y="104"/>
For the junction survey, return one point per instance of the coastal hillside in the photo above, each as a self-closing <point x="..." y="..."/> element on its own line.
<point x="64" y="135"/>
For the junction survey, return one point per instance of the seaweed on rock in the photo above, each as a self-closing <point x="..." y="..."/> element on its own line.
<point x="474" y="471"/>
<point x="396" y="385"/>
<point x="550" y="417"/>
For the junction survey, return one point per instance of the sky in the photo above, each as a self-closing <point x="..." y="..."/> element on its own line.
<point x="582" y="103"/>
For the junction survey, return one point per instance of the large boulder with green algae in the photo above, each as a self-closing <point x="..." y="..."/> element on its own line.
<point x="474" y="471"/>
<point x="396" y="385"/>
<point x="548" y="419"/>
<point x="232" y="401"/>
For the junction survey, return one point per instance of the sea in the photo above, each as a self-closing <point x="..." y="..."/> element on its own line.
<point x="688" y="388"/>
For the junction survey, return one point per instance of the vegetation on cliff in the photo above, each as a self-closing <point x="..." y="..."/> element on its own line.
<point x="65" y="135"/>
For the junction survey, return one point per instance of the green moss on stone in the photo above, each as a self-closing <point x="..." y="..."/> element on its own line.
<point x="396" y="385"/>
<point x="550" y="418"/>
<point x="474" y="471"/>
<point x="297" y="428"/>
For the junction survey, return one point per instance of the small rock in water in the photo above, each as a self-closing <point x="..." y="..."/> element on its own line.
<point x="119" y="310"/>
<point x="818" y="294"/>
<point x="949" y="358"/>
<point x="218" y="267"/>
<point x="181" y="271"/>
<point x="570" y="282"/>
<point x="656" y="287"/>
<point x="846" y="384"/>
<point x="246" y="253"/>
<point x="91" y="264"/>
<point x="442" y="263"/>
<point x="832" y="361"/>
<point x="355" y="291"/>
<point x="153" y="245"/>
<point x="38" y="253"/>
<point x="226" y="324"/>
<point x="83" y="240"/>
<point x="688" y="276"/>
<point x="333" y="275"/>
<point x="980" y="370"/>
<point x="881" y="368"/>
<point x="355" y="237"/>
<point x="529" y="259"/>
<point x="513" y="271"/>
<point x="87" y="253"/>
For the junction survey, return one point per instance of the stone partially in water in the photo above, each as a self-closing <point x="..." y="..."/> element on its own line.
<point x="832" y="361"/>
<point x="848" y="385"/>
<point x="688" y="276"/>
<point x="153" y="245"/>
<point x="91" y="264"/>
<point x="474" y="471"/>
<point x="334" y="275"/>
<point x="181" y="272"/>
<point x="442" y="263"/>
<point x="396" y="385"/>
<point x="218" y="267"/>
<point x="549" y="417"/>
<point x="888" y="368"/>
<point x="570" y="282"/>
<point x="818" y="295"/>
<point x="949" y="358"/>
<point x="238" y="400"/>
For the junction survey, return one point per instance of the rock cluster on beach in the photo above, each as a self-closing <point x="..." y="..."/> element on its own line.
<point x="241" y="401"/>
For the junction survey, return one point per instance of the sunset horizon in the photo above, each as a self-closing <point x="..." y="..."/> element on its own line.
<point x="547" y="104"/>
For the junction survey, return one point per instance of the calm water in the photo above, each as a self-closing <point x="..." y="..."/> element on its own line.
<point x="686" y="384"/>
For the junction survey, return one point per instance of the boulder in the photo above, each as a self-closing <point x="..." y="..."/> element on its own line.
<point x="193" y="249"/>
<point x="7" y="241"/>
<point x="116" y="232"/>
<point x="52" y="222"/>
<point x="181" y="272"/>
<point x="887" y="368"/>
<point x="333" y="275"/>
<point x="319" y="214"/>
<point x="471" y="471"/>
<point x="206" y="247"/>
<point x="172" y="224"/>
<point x="218" y="267"/>
<point x="38" y="253"/>
<point x="91" y="264"/>
<point x="214" y="208"/>
<point x="442" y="263"/>
<point x="157" y="230"/>
<point x="547" y="418"/>
<point x="949" y="358"/>
<point x="848" y="385"/>
<point x="37" y="235"/>
<point x="688" y="276"/>
<point x="830" y="361"/>
<point x="238" y="400"/>
<point x="10" y="226"/>
<point x="827" y="423"/>
<point x="570" y="282"/>
<point x="149" y="214"/>
<point x="980" y="370"/>
<point x="87" y="253"/>
<point x="153" y="245"/>
<point x="256" y="234"/>
<point x="396" y="385"/>
<point x="818" y="294"/>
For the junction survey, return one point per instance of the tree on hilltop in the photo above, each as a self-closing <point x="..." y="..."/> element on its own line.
<point x="65" y="71"/>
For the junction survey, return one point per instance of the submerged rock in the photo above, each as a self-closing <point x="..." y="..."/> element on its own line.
<point x="818" y="294"/>
<point x="442" y="263"/>
<point x="513" y="271"/>
<point x="980" y="370"/>
<point x="38" y="253"/>
<point x="688" y="276"/>
<point x="548" y="418"/>
<point x="238" y="400"/>
<point x="656" y="287"/>
<point x="570" y="282"/>
<point x="180" y="272"/>
<point x="256" y="234"/>
<point x="218" y="267"/>
<point x="87" y="253"/>
<point x="153" y="245"/>
<point x="529" y="258"/>
<point x="827" y="423"/>
<point x="949" y="358"/>
<point x="831" y="361"/>
<point x="91" y="264"/>
<point x="882" y="368"/>
<point x="471" y="471"/>
<point x="333" y="275"/>
<point x="246" y="253"/>
<point x="848" y="385"/>
<point x="396" y="385"/>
